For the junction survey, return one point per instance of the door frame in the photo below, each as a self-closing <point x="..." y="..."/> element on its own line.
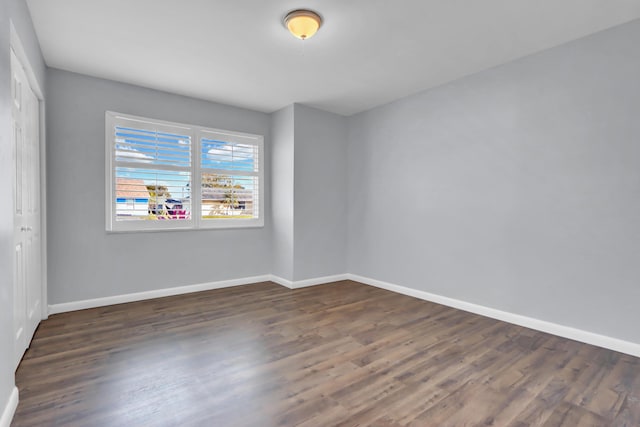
<point x="18" y="48"/>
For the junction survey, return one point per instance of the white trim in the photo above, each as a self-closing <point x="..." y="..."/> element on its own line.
<point x="297" y="284"/>
<point x="516" y="319"/>
<point x="10" y="408"/>
<point x="179" y="290"/>
<point x="44" y="266"/>
<point x="158" y="293"/>
<point x="109" y="209"/>
<point x="319" y="281"/>
<point x="280" y="281"/>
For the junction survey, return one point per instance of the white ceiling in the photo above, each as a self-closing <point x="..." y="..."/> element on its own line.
<point x="368" y="52"/>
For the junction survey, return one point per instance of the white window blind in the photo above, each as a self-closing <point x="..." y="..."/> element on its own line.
<point x="153" y="167"/>
<point x="230" y="176"/>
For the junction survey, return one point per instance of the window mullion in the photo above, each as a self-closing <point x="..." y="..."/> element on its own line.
<point x="196" y="179"/>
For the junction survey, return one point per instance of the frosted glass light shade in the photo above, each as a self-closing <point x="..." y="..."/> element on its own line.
<point x="303" y="24"/>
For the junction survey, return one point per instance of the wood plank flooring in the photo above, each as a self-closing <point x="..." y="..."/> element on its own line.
<point x="342" y="354"/>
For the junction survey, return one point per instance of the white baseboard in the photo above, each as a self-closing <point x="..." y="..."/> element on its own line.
<point x="308" y="282"/>
<point x="157" y="293"/>
<point x="10" y="408"/>
<point x="179" y="290"/>
<point x="281" y="281"/>
<point x="517" y="319"/>
<point x="528" y="322"/>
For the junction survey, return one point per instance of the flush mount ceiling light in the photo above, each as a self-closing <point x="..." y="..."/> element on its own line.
<point x="303" y="23"/>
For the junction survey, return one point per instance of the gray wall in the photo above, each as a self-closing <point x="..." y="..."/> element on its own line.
<point x="517" y="188"/>
<point x="309" y="193"/>
<point x="86" y="262"/>
<point x="16" y="10"/>
<point x="282" y="190"/>
<point x="320" y="194"/>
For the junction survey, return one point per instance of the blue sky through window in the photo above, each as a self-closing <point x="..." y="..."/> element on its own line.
<point x="218" y="154"/>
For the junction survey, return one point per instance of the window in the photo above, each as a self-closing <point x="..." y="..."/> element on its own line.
<point x="163" y="175"/>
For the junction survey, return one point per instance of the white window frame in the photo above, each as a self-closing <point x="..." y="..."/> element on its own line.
<point x="196" y="222"/>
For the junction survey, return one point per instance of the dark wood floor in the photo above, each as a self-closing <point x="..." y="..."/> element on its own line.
<point x="342" y="354"/>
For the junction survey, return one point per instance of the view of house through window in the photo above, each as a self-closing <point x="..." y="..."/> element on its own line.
<point x="229" y="177"/>
<point x="168" y="176"/>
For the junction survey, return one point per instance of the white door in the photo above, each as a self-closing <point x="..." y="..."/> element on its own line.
<point x="31" y="195"/>
<point x="26" y="198"/>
